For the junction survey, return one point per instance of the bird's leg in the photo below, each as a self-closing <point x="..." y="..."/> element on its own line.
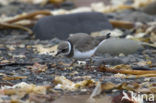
<point x="90" y="62"/>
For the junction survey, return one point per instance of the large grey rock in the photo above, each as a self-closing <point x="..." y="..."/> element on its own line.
<point x="115" y="46"/>
<point x="62" y="25"/>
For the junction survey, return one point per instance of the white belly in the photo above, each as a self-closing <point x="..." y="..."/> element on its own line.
<point x="87" y="54"/>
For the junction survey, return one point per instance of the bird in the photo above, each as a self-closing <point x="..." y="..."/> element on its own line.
<point x="80" y="45"/>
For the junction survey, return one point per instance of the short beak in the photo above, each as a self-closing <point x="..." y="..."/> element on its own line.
<point x="58" y="52"/>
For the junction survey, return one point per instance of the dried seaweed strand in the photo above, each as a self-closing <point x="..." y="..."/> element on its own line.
<point x="146" y="75"/>
<point x="112" y="8"/>
<point x="122" y="24"/>
<point x="13" y="78"/>
<point x="15" y="26"/>
<point x="134" y="72"/>
<point x="31" y="24"/>
<point x="29" y="16"/>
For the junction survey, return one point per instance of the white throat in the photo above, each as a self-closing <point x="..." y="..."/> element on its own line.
<point x="70" y="47"/>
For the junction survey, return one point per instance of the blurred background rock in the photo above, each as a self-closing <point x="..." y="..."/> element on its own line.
<point x="87" y="2"/>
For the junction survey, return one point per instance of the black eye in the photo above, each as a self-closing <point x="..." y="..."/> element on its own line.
<point x="64" y="50"/>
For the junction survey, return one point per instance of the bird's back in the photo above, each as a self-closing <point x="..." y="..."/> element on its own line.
<point x="84" y="41"/>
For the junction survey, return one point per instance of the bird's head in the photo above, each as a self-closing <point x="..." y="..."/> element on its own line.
<point x="64" y="48"/>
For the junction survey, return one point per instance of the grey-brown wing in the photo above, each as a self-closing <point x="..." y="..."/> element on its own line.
<point x="74" y="38"/>
<point x="83" y="41"/>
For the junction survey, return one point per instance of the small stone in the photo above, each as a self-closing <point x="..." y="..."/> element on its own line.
<point x="114" y="33"/>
